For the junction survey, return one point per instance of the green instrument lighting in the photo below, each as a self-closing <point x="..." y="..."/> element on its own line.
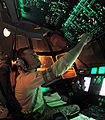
<point x="45" y="89"/>
<point x="100" y="104"/>
<point x="81" y="16"/>
<point x="101" y="70"/>
<point x="99" y="80"/>
<point x="94" y="70"/>
<point x="104" y="8"/>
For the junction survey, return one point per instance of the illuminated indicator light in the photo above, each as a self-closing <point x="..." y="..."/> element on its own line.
<point x="94" y="80"/>
<point x="44" y="34"/>
<point x="100" y="104"/>
<point x="13" y="63"/>
<point x="87" y="83"/>
<point x="104" y="8"/>
<point x="79" y="40"/>
<point x="6" y="32"/>
<point x="37" y="28"/>
<point x="102" y="92"/>
<point x="44" y="0"/>
<point x="99" y="80"/>
<point x="101" y="70"/>
<point x="45" y="89"/>
<point x="94" y="70"/>
<point x="99" y="99"/>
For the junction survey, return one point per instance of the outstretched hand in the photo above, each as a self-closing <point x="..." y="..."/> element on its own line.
<point x="85" y="38"/>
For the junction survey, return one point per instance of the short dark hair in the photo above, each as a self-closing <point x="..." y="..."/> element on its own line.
<point x="20" y="55"/>
<point x="20" y="51"/>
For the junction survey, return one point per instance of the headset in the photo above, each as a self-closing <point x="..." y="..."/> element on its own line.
<point x="21" y="62"/>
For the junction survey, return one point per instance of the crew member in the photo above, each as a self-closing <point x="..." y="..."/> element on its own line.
<point x="28" y="84"/>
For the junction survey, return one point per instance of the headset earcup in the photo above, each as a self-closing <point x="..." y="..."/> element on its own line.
<point x="21" y="63"/>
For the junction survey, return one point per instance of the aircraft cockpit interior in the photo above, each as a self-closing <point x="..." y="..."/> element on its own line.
<point x="52" y="59"/>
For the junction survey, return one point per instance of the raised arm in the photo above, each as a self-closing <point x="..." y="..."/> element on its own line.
<point x="65" y="62"/>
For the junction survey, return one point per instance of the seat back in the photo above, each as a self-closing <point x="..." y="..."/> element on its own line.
<point x="7" y="96"/>
<point x="2" y="98"/>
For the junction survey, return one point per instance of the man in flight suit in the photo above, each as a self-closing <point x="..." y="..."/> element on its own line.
<point x="28" y="84"/>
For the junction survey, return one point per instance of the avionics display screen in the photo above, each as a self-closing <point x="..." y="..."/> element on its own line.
<point x="87" y="81"/>
<point x="94" y="70"/>
<point x="101" y="70"/>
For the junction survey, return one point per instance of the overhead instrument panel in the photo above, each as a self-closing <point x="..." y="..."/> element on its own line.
<point x="50" y="12"/>
<point x="86" y="16"/>
<point x="71" y="17"/>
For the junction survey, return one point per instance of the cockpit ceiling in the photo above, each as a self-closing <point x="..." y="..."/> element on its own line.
<point x="71" y="17"/>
